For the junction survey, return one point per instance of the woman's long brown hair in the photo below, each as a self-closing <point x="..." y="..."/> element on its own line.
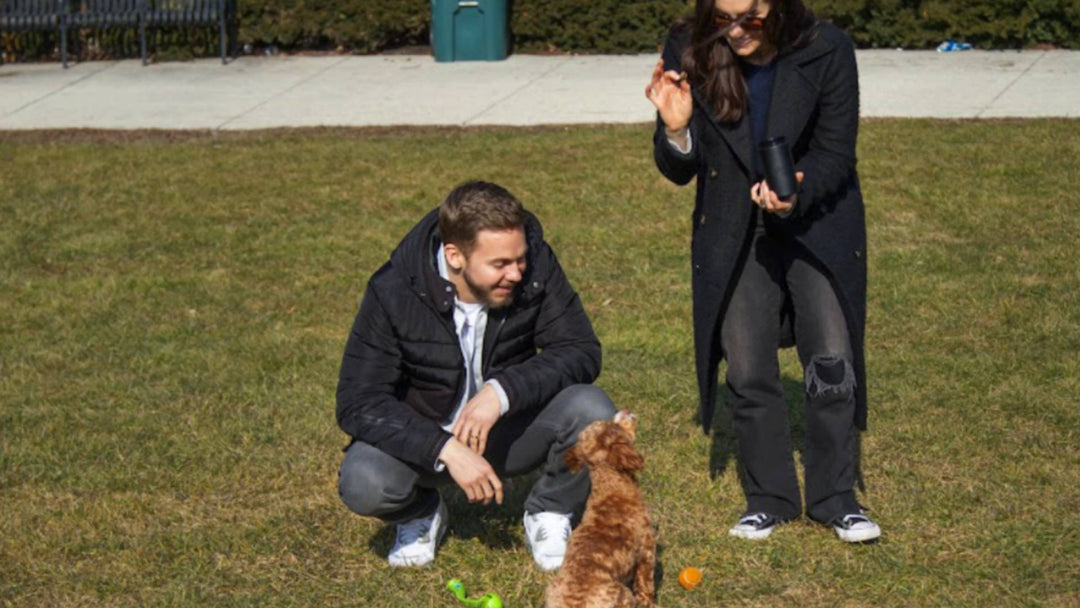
<point x="710" y="64"/>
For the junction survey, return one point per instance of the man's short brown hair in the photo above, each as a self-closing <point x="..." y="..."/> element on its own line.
<point x="475" y="206"/>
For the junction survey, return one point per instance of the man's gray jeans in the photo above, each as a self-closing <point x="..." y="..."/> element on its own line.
<point x="373" y="483"/>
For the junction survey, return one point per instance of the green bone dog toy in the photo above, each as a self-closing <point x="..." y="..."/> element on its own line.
<point x="489" y="600"/>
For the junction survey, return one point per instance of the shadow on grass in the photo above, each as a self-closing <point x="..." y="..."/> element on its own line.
<point x="658" y="570"/>
<point x="496" y="526"/>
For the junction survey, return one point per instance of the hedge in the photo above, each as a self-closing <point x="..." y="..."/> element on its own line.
<point x="359" y="26"/>
<point x="599" y="26"/>
<point x="986" y="24"/>
<point x="629" y="26"/>
<point x="632" y="26"/>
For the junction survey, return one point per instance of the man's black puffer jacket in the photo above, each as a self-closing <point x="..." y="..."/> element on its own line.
<point x="403" y="373"/>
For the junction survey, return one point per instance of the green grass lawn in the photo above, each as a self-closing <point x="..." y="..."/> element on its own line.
<point x="173" y="310"/>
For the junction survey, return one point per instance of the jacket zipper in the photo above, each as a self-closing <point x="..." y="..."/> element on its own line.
<point x="486" y="366"/>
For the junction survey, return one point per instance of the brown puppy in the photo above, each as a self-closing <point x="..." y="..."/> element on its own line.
<point x="615" y="544"/>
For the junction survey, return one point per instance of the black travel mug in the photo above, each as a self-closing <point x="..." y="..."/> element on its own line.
<point x="779" y="168"/>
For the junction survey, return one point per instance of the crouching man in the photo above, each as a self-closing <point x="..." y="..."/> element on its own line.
<point x="470" y="360"/>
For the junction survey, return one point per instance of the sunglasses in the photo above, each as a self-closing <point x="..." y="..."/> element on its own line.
<point x="746" y="22"/>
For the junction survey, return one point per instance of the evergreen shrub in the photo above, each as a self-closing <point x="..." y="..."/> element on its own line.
<point x="601" y="26"/>
<point x="632" y="26"/>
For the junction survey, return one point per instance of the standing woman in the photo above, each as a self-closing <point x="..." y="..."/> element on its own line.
<point x="768" y="270"/>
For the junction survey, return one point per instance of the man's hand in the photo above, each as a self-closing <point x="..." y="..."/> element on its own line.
<point x="476" y="419"/>
<point x="470" y="471"/>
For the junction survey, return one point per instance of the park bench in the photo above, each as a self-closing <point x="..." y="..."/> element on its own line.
<point x="64" y="15"/>
<point x="35" y="15"/>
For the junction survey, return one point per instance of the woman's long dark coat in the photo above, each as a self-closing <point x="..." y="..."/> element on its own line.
<point x="815" y="105"/>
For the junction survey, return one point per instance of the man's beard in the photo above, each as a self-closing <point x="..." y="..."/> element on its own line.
<point x="483" y="294"/>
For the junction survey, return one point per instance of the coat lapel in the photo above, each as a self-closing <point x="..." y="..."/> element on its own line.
<point x="794" y="93"/>
<point x="736" y="135"/>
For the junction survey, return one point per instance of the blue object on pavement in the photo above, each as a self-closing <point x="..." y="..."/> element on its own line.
<point x="952" y="45"/>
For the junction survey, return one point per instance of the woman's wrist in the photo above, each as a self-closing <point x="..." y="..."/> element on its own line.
<point x="679" y="138"/>
<point x="678" y="133"/>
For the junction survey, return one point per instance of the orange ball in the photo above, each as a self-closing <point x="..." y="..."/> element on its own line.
<point x="689" y="577"/>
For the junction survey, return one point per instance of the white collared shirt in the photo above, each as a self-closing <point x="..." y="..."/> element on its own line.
<point x="470" y="322"/>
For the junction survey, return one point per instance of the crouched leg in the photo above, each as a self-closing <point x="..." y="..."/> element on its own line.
<point x="544" y="443"/>
<point x="374" y="484"/>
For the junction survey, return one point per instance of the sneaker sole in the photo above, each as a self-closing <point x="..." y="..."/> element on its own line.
<point x="859" y="536"/>
<point x="752" y="534"/>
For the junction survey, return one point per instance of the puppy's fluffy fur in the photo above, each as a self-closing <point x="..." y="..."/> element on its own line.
<point x="615" y="545"/>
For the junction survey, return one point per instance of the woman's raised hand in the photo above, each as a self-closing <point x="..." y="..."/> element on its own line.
<point x="670" y="93"/>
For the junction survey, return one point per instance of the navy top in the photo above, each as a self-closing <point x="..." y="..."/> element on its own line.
<point x="759" y="81"/>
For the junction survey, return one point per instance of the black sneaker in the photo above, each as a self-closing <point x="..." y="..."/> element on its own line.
<point x="855" y="528"/>
<point x="754" y="526"/>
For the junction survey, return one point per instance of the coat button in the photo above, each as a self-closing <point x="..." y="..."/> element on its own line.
<point x="536" y="284"/>
<point x="858" y="253"/>
<point x="701" y="220"/>
<point x="713" y="173"/>
<point x="697" y="268"/>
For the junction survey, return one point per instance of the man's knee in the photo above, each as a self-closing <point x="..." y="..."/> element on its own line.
<point x="365" y="485"/>
<point x="583" y="404"/>
<point x="828" y="376"/>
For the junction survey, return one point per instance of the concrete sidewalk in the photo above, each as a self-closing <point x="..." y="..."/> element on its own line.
<point x="260" y="92"/>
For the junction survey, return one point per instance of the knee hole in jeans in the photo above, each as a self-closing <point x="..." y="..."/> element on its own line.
<point x="828" y="375"/>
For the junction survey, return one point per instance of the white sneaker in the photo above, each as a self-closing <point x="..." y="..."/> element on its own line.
<point x="418" y="538"/>
<point x="754" y="526"/>
<point x="855" y="528"/>
<point x="546" y="534"/>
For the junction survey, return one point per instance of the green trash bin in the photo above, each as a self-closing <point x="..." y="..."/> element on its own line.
<point x="469" y="30"/>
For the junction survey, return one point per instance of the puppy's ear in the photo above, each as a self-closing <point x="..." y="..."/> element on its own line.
<point x="624" y="457"/>
<point x="574" y="458"/>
